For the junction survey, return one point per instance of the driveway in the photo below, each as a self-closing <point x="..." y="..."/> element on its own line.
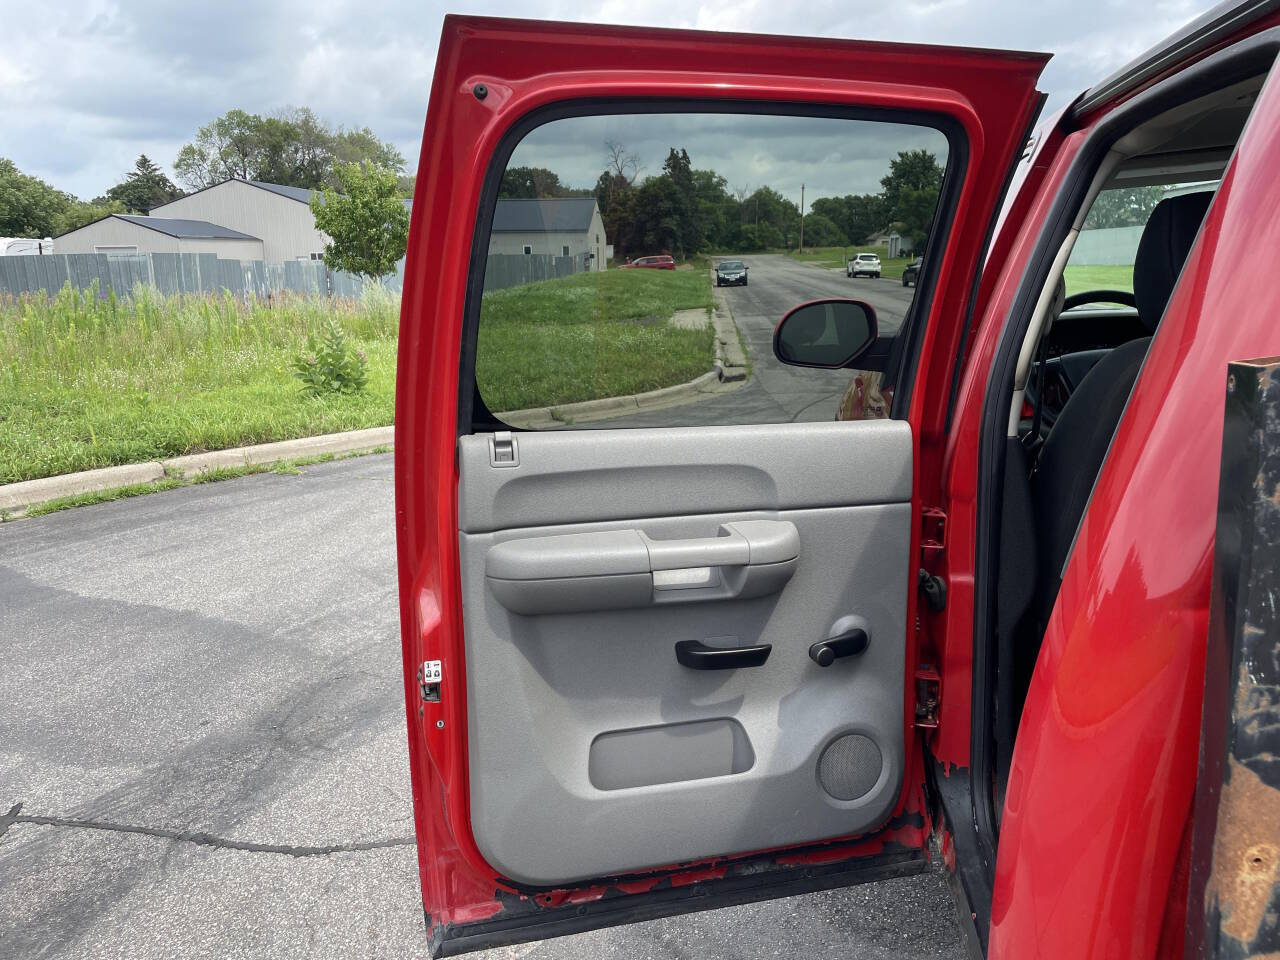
<point x="777" y="393"/>
<point x="203" y="749"/>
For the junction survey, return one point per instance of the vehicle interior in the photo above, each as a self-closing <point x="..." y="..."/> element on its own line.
<point x="1080" y="357"/>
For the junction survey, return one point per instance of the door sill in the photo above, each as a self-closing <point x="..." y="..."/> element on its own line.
<point x="540" y="923"/>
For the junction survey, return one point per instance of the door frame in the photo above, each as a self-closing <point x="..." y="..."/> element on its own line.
<point x="1070" y="160"/>
<point x="480" y="109"/>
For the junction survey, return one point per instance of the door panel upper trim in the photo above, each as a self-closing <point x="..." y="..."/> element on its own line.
<point x="624" y="474"/>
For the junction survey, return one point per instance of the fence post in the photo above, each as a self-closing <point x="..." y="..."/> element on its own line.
<point x="1233" y="906"/>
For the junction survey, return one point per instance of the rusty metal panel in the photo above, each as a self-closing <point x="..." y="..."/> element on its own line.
<point x="1234" y="893"/>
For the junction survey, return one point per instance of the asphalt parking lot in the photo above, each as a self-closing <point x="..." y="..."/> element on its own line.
<point x="204" y="747"/>
<point x="776" y="393"/>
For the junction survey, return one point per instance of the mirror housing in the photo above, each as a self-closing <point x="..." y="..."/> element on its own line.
<point x="828" y="334"/>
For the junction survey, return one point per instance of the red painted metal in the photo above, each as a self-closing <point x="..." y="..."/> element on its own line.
<point x="523" y="66"/>
<point x="1015" y="244"/>
<point x="1105" y="760"/>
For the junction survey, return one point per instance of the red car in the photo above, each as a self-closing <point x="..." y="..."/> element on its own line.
<point x="661" y="262"/>
<point x="659" y="669"/>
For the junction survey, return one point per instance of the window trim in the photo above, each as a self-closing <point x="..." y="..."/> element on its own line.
<point x="474" y="415"/>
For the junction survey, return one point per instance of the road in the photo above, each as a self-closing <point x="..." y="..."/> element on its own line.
<point x="203" y="724"/>
<point x="777" y="393"/>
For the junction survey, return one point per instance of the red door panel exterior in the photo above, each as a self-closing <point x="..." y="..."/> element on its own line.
<point x="523" y="66"/>
<point x="1105" y="761"/>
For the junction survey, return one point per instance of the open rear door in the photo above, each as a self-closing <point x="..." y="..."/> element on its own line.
<point x="660" y="648"/>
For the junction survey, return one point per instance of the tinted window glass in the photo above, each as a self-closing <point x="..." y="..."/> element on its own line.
<point x="666" y="248"/>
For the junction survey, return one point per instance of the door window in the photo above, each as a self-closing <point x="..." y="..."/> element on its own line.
<point x="569" y="341"/>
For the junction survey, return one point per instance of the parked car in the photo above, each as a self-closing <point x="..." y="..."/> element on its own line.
<point x="729" y="272"/>
<point x="863" y="265"/>
<point x="911" y="272"/>
<point x="660" y="262"/>
<point x="656" y="670"/>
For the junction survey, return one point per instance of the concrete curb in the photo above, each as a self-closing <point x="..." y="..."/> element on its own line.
<point x="28" y="493"/>
<point x="728" y="373"/>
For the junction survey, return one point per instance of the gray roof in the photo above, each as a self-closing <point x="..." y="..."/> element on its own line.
<point x="555" y="215"/>
<point x="186" y="229"/>
<point x="301" y="194"/>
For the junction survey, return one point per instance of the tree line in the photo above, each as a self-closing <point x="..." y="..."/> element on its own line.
<point x="293" y="147"/>
<point x="685" y="210"/>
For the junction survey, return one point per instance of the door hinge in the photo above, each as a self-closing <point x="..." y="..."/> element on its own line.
<point x="933" y="532"/>
<point x="928" y="696"/>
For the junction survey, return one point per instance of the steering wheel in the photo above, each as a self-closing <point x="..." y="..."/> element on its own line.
<point x="1122" y="297"/>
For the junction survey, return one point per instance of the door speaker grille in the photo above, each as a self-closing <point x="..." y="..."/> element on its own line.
<point x="850" y="766"/>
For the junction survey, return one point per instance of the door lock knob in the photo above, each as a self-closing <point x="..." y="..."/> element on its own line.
<point x="848" y="644"/>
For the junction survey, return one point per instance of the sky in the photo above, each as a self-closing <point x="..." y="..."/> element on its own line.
<point x="87" y="85"/>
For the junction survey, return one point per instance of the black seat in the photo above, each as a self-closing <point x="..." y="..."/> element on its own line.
<point x="1073" y="452"/>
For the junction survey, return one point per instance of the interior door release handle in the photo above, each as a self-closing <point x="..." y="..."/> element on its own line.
<point x="696" y="655"/>
<point x="848" y="644"/>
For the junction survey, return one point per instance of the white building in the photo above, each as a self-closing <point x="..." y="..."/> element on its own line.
<point x="280" y="216"/>
<point x="122" y="235"/>
<point x="559" y="226"/>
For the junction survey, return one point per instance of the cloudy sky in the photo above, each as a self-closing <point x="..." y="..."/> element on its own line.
<point x="87" y="86"/>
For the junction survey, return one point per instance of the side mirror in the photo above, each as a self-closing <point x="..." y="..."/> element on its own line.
<point x="825" y="333"/>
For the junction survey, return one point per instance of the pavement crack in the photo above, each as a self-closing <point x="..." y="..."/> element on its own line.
<point x="201" y="838"/>
<point x="9" y="818"/>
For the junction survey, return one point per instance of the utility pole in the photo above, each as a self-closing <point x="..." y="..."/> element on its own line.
<point x="802" y="218"/>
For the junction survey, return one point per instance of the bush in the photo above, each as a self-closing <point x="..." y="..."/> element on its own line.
<point x="331" y="365"/>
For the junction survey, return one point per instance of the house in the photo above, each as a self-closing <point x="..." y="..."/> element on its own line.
<point x="895" y="244"/>
<point x="279" y="215"/>
<point x="555" y="226"/>
<point x="123" y="234"/>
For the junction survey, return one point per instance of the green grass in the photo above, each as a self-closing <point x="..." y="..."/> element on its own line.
<point x="172" y="481"/>
<point x="1081" y="278"/>
<point x="590" y="335"/>
<point x="88" y="383"/>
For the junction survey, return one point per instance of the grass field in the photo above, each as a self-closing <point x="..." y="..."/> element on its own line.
<point x="91" y="383"/>
<point x="1081" y="278"/>
<point x="590" y="335"/>
<point x="88" y="383"/>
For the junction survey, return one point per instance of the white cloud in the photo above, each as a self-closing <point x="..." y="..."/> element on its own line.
<point x="89" y="85"/>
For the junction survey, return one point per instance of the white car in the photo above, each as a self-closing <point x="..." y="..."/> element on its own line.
<point x="863" y="265"/>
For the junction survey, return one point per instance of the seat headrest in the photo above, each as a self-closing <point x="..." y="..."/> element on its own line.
<point x="1166" y="241"/>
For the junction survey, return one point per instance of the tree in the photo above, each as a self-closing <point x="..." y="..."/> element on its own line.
<point x="857" y="215"/>
<point x="531" y="183"/>
<point x="910" y="193"/>
<point x="690" y="236"/>
<point x="365" y="218"/>
<point x="29" y="207"/>
<point x="362" y="145"/>
<point x="821" y="231"/>
<point x="144" y="187"/>
<point x="77" y="214"/>
<point x="621" y="163"/>
<point x="1123" y="207"/>
<point x="294" y="148"/>
<point x="406" y="183"/>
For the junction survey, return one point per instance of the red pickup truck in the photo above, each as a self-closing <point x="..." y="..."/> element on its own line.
<point x="749" y="651"/>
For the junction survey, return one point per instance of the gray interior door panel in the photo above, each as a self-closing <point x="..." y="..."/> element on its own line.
<point x="593" y="751"/>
